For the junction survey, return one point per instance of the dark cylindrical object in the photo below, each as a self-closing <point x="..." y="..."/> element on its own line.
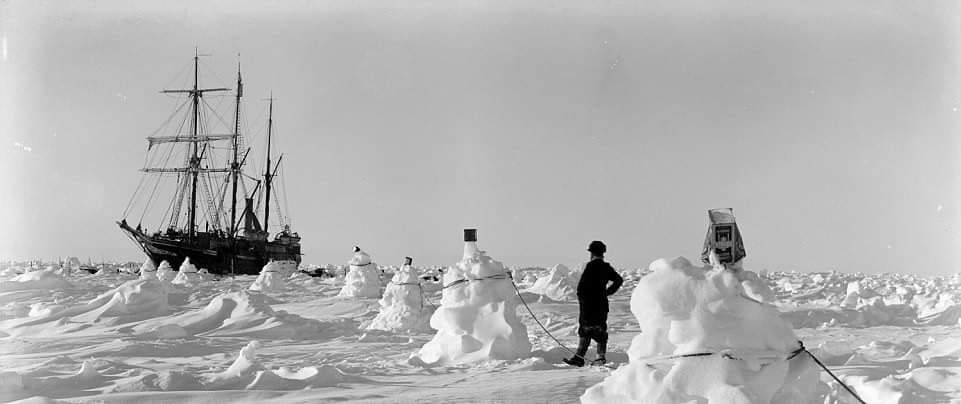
<point x="470" y="235"/>
<point x="408" y="260"/>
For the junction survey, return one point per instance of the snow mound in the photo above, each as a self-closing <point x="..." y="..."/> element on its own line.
<point x="308" y="377"/>
<point x="236" y="314"/>
<point x="138" y="296"/>
<point x="477" y="319"/>
<point x="133" y="300"/>
<point x="285" y="267"/>
<point x="241" y="371"/>
<point x="205" y="275"/>
<point x="271" y="278"/>
<point x="560" y="284"/>
<point x="187" y="279"/>
<point x="248" y="373"/>
<point x="187" y="266"/>
<point x="166" y="272"/>
<point x="46" y="280"/>
<point x="402" y="307"/>
<point x="168" y="380"/>
<point x="683" y="309"/>
<point x="187" y="275"/>
<point x="363" y="278"/>
<point x="15" y="385"/>
<point x="148" y="266"/>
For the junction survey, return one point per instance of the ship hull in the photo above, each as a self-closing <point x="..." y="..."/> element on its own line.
<point x="217" y="253"/>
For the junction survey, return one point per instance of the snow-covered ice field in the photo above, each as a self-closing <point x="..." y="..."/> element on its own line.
<point x="101" y="338"/>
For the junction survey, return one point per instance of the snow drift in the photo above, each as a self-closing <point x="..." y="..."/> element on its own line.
<point x="43" y="280"/>
<point x="236" y="314"/>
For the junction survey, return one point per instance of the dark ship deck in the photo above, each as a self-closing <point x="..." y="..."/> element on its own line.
<point x="215" y="251"/>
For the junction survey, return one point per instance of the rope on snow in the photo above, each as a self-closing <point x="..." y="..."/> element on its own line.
<point x="726" y="355"/>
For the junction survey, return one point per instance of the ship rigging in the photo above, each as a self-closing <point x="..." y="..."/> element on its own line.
<point x="228" y="243"/>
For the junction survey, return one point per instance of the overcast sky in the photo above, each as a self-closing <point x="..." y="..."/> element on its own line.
<point x="831" y="127"/>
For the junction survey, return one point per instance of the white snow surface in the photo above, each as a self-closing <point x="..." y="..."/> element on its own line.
<point x="37" y="280"/>
<point x="477" y="318"/>
<point x="120" y="339"/>
<point x="403" y="307"/>
<point x="363" y="278"/>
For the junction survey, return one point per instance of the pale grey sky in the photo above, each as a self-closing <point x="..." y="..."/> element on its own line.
<point x="832" y="128"/>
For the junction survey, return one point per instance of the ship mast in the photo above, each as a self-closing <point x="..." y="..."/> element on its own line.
<point x="267" y="175"/>
<point x="194" y="160"/>
<point x="194" y="167"/>
<point x="234" y="167"/>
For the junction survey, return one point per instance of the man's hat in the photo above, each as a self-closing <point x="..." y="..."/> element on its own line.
<point x="597" y="247"/>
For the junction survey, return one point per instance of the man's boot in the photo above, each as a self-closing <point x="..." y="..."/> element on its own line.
<point x="578" y="359"/>
<point x="601" y="354"/>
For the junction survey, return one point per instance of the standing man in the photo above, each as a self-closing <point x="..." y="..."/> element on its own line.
<point x="592" y="293"/>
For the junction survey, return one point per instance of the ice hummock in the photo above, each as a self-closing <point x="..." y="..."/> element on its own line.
<point x="403" y="308"/>
<point x="683" y="309"/>
<point x="147" y="266"/>
<point x="477" y="318"/>
<point x="35" y="280"/>
<point x="271" y="278"/>
<point x="187" y="275"/>
<point x="165" y="272"/>
<point x="106" y="270"/>
<point x="559" y="284"/>
<point x="363" y="277"/>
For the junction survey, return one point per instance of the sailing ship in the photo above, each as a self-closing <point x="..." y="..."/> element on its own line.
<point x="227" y="244"/>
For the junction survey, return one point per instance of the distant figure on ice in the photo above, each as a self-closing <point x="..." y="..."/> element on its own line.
<point x="592" y="293"/>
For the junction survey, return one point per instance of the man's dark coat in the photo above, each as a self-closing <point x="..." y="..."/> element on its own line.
<point x="592" y="292"/>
